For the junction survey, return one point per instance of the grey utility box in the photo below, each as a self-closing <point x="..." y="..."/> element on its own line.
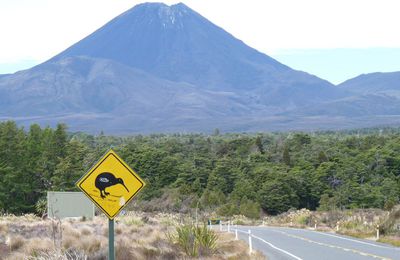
<point x="69" y="205"/>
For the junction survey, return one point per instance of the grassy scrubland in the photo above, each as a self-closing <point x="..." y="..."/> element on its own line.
<point x="137" y="236"/>
<point x="351" y="177"/>
<point x="360" y="223"/>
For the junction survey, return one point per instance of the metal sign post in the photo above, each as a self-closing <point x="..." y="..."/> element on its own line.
<point x="111" y="252"/>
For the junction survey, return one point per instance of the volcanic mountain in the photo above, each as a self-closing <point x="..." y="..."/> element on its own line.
<point x="378" y="82"/>
<point x="159" y="68"/>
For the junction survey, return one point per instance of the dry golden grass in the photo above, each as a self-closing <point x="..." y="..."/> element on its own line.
<point x="390" y="240"/>
<point x="35" y="246"/>
<point x="232" y="249"/>
<point x="15" y="242"/>
<point x="137" y="236"/>
<point x="360" y="223"/>
<point x="15" y="256"/>
<point x="86" y="230"/>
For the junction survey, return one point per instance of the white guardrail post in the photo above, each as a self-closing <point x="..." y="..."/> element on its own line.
<point x="377" y="232"/>
<point x="250" y="243"/>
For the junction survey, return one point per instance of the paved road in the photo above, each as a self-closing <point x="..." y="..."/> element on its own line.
<point x="289" y="243"/>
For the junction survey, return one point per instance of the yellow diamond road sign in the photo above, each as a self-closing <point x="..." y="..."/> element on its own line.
<point x="111" y="184"/>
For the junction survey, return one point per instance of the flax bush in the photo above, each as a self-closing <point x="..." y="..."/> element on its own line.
<point x="195" y="240"/>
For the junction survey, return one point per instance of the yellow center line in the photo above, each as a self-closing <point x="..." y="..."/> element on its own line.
<point x="334" y="246"/>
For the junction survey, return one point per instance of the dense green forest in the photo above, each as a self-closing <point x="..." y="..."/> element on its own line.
<point x="230" y="173"/>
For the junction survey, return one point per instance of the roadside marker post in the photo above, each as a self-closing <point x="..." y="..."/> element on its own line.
<point x="377" y="232"/>
<point x="250" y="243"/>
<point x="236" y="234"/>
<point x="229" y="227"/>
<point x="122" y="184"/>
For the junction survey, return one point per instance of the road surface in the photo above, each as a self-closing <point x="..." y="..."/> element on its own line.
<point x="279" y="243"/>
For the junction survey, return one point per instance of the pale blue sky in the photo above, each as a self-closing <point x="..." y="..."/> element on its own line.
<point x="338" y="65"/>
<point x="333" y="39"/>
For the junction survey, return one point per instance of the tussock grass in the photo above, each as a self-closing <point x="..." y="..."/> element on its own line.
<point x="37" y="246"/>
<point x="15" y="242"/>
<point x="85" y="231"/>
<point x="16" y="256"/>
<point x="123" y="248"/>
<point x="137" y="236"/>
<point x="89" y="244"/>
<point x="357" y="233"/>
<point x="69" y="230"/>
<point x="391" y="225"/>
<point x="3" y="228"/>
<point x="4" y="249"/>
<point x="229" y="248"/>
<point x="59" y="255"/>
<point x="390" y="240"/>
<point x="133" y="221"/>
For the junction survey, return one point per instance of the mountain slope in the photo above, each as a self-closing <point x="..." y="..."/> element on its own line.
<point x="388" y="82"/>
<point x="98" y="86"/>
<point x="159" y="68"/>
<point x="176" y="43"/>
<point x="374" y="94"/>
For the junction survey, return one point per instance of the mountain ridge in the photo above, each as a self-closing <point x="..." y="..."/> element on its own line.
<point x="161" y="68"/>
<point x="373" y="82"/>
<point x="174" y="52"/>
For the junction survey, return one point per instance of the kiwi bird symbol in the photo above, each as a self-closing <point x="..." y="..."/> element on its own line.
<point x="105" y="180"/>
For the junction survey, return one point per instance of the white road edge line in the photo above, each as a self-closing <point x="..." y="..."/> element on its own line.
<point x="358" y="241"/>
<point x="271" y="245"/>
<point x="277" y="248"/>
<point x="341" y="237"/>
<point x="332" y="246"/>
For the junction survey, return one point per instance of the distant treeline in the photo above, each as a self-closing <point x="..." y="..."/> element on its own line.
<point x="230" y="173"/>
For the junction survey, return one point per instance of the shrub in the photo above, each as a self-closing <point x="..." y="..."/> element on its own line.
<point x="41" y="207"/>
<point x="250" y="209"/>
<point x="303" y="220"/>
<point x="186" y="240"/>
<point x="195" y="240"/>
<point x="207" y="240"/>
<point x="389" y="226"/>
<point x="228" y="209"/>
